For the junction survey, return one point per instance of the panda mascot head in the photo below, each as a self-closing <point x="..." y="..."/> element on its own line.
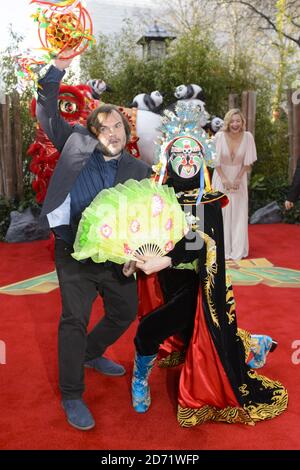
<point x="214" y="125"/>
<point x="147" y="102"/>
<point x="192" y="94"/>
<point x="188" y="92"/>
<point x="98" y="87"/>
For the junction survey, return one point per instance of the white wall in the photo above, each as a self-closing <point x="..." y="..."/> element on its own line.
<point x="107" y="15"/>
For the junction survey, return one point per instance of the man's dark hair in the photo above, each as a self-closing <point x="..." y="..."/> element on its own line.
<point x="94" y="122"/>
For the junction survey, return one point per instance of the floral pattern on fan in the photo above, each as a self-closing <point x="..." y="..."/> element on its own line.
<point x="106" y="231"/>
<point x="157" y="205"/>
<point x="127" y="249"/>
<point x="169" y="224"/>
<point x="135" y="226"/>
<point x="169" y="246"/>
<point x="135" y="217"/>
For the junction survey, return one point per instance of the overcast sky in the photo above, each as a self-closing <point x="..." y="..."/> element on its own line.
<point x="17" y="12"/>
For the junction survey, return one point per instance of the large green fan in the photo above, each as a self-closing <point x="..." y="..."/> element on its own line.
<point x="134" y="217"/>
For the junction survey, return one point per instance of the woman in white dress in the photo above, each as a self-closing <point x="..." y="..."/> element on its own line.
<point x="236" y="152"/>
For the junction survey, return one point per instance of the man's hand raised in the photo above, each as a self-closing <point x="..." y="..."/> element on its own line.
<point x="63" y="61"/>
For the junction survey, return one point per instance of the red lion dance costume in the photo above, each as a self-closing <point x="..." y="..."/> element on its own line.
<point x="75" y="104"/>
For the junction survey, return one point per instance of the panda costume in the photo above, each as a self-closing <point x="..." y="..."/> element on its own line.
<point x="192" y="95"/>
<point x="187" y="312"/>
<point x="213" y="126"/>
<point x="98" y="87"/>
<point x="188" y="92"/>
<point x="147" y="102"/>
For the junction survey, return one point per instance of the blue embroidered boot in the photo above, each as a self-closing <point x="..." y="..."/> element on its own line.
<point x="139" y="387"/>
<point x="260" y="347"/>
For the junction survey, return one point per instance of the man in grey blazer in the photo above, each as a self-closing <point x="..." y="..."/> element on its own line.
<point x="92" y="158"/>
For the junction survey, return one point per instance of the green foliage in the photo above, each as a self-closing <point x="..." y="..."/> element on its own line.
<point x="292" y="216"/>
<point x="258" y="183"/>
<point x="269" y="178"/>
<point x="94" y="62"/>
<point x="9" y="76"/>
<point x="5" y="209"/>
<point x="264" y="189"/>
<point x="192" y="58"/>
<point x="8" y="71"/>
<point x="28" y="122"/>
<point x="271" y="139"/>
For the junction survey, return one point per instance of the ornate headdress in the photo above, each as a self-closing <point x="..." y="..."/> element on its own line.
<point x="184" y="145"/>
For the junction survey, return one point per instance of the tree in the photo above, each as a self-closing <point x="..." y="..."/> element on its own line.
<point x="277" y="29"/>
<point x="183" y="15"/>
<point x="267" y="12"/>
<point x="9" y="75"/>
<point x="8" y="70"/>
<point x="94" y="63"/>
<point x="240" y="31"/>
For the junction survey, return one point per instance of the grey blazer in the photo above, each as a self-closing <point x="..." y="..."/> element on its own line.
<point x="76" y="145"/>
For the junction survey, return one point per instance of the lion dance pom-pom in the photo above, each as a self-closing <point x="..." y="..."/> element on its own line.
<point x="62" y="26"/>
<point x="134" y="217"/>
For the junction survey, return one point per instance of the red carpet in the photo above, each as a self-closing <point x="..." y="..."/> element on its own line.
<point x="31" y="416"/>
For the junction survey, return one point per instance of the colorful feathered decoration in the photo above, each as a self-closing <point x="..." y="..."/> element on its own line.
<point x="63" y="26"/>
<point x="134" y="217"/>
<point x="185" y="121"/>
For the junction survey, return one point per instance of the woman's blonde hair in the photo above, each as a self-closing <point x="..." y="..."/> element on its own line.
<point x="228" y="117"/>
